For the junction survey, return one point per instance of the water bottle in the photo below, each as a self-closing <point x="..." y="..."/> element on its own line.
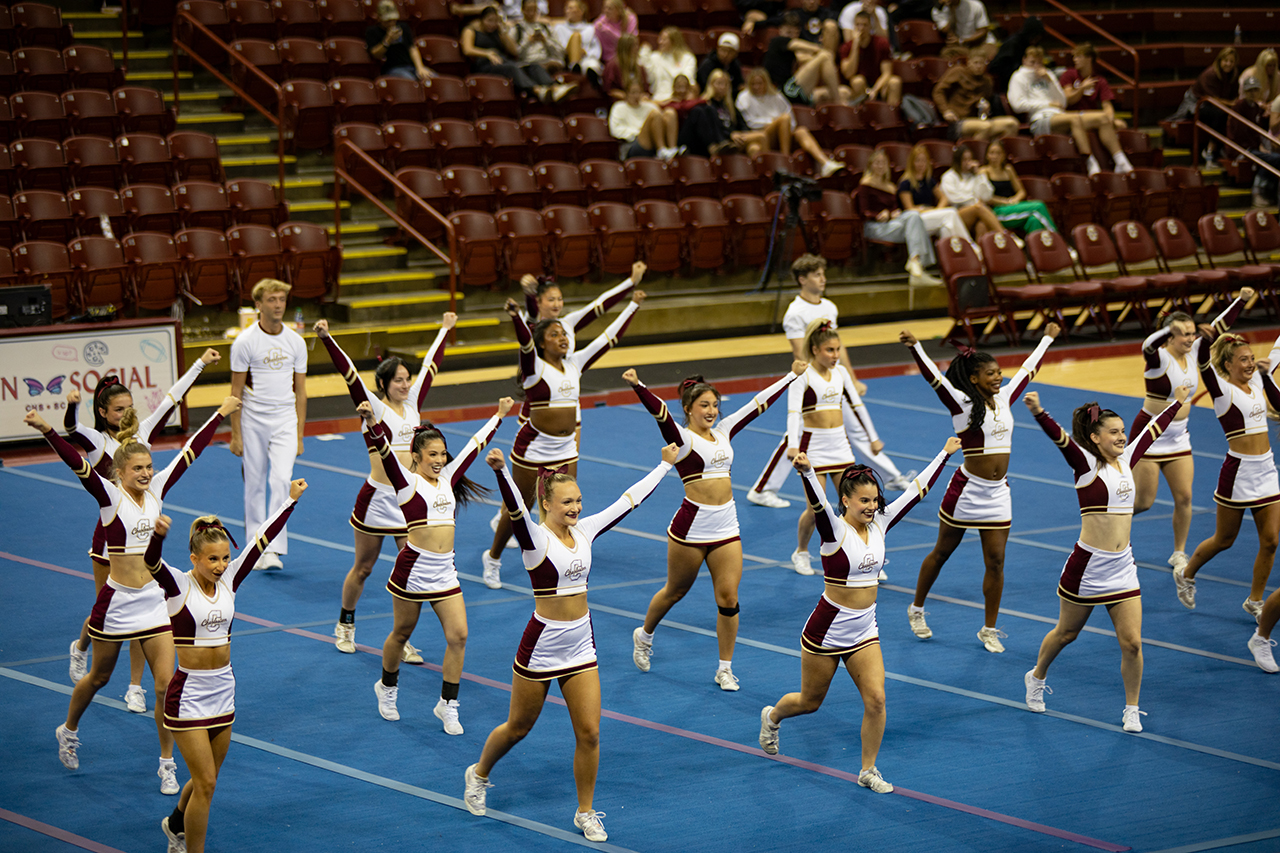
<point x="104" y="222"/>
<point x="1237" y="33"/>
<point x="298" y="322"/>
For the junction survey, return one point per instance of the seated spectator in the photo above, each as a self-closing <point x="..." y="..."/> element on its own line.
<point x="867" y="57"/>
<point x="815" y="23"/>
<point x="963" y="23"/>
<point x="491" y="50"/>
<point x="1265" y="74"/>
<point x="963" y="97"/>
<point x="641" y="127"/>
<point x="582" y="50"/>
<point x="1035" y="91"/>
<point x="393" y="46"/>
<point x="1008" y="57"/>
<point x="724" y="58"/>
<point x="683" y="98"/>
<point x="884" y="219"/>
<point x="919" y="191"/>
<point x="1086" y="89"/>
<point x="764" y="109"/>
<point x="622" y="67"/>
<point x="1009" y="198"/>
<point x="671" y="59"/>
<point x="509" y="9"/>
<point x="968" y="190"/>
<point x="715" y="126"/>
<point x="1219" y="85"/>
<point x="797" y="67"/>
<point x="615" y="21"/>
<point x="1253" y="106"/>
<point x="534" y="41"/>
<point x="879" y="19"/>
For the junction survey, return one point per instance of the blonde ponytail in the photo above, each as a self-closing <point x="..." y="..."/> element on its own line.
<point x="127" y="435"/>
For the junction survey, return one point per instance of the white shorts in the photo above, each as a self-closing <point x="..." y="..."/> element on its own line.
<point x="551" y="650"/>
<point x="1092" y="576"/>
<point x="123" y="613"/>
<point x="376" y="512"/>
<point x="1247" y="482"/>
<point x="1173" y="443"/>
<point x="1042" y="121"/>
<point x="836" y="630"/>
<point x="973" y="502"/>
<point x="828" y="449"/>
<point x="533" y="449"/>
<point x="420" y="575"/>
<point x="700" y="524"/>
<point x="200" y="699"/>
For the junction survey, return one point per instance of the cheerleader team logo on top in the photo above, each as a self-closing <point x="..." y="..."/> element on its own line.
<point x="142" y="530"/>
<point x="1123" y="489"/>
<point x="998" y="428"/>
<point x="720" y="459"/>
<point x="575" y="570"/>
<point x="214" y="622"/>
<point x="831" y="395"/>
<point x="275" y="358"/>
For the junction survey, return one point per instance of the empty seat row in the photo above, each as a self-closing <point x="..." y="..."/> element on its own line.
<point x="80" y="66"/>
<point x="32" y="24"/>
<point x="259" y="19"/>
<point x="84" y="111"/>
<point x="80" y="161"/>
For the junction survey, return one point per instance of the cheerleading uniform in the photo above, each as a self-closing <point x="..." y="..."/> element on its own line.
<point x="828" y="449"/>
<point x="1245" y="481"/>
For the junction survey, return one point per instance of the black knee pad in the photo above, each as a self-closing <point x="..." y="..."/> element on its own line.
<point x="729" y="611"/>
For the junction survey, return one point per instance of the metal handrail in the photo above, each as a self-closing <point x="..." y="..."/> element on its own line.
<point x="124" y="37"/>
<point x="340" y="174"/>
<point x="277" y="119"/>
<point x="1132" y="81"/>
<point x="1199" y="125"/>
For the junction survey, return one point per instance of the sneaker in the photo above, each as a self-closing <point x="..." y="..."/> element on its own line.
<point x="915" y="618"/>
<point x="1178" y="559"/>
<point x="79" y="662"/>
<point x="1253" y="608"/>
<point x="769" y="499"/>
<point x="447" y="713"/>
<point x="386" y="700"/>
<point x="1035" y="691"/>
<point x="492" y="570"/>
<point x="589" y="823"/>
<point x="1260" y="200"/>
<point x="873" y="780"/>
<point x="641" y="649"/>
<point x="990" y="638"/>
<point x="1092" y="166"/>
<point x="168" y="774"/>
<point x="830" y="167"/>
<point x="727" y="680"/>
<point x="1131" y="719"/>
<point x="346" y="635"/>
<point x="68" y="743"/>
<point x="902" y="482"/>
<point x="410" y="655"/>
<point x="768" y="731"/>
<point x="800" y="562"/>
<point x="493" y="525"/>
<point x="883" y="576"/>
<point x="177" y="840"/>
<point x="1259" y="645"/>
<point x="135" y="699"/>
<point x="269" y="560"/>
<point x="1186" y="589"/>
<point x="474" y="792"/>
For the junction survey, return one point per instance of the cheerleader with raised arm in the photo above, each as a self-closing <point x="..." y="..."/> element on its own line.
<point x="130" y="605"/>
<point x="429" y="491"/>
<point x="200" y="704"/>
<point x="978" y="399"/>
<point x="396" y="402"/>
<point x="1100" y="570"/>
<point x="705" y="528"/>
<point x="558" y="643"/>
<point x="843" y="625"/>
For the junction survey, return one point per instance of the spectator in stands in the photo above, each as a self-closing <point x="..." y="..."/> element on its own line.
<point x="1008" y="58"/>
<point x="797" y="67"/>
<point x="491" y="50"/>
<point x="963" y="23"/>
<point x="641" y="126"/>
<point x="867" y="57"/>
<point x="1009" y="198"/>
<point x="884" y="219"/>
<point x="1218" y="85"/>
<point x="1265" y="73"/>
<point x="683" y="98"/>
<point x="581" y="47"/>
<point x="725" y="58"/>
<point x="815" y="23"/>
<point x="534" y="41"/>
<point x="393" y="46"/>
<point x="963" y="97"/>
<point x="968" y="190"/>
<point x="919" y="191"/>
<point x="1035" y="91"/>
<point x="615" y="21"/>
<point x="1086" y="89"/>
<point x="670" y="60"/>
<point x="765" y="109"/>
<point x="879" y="19"/>
<point x="715" y="126"/>
<point x="622" y="67"/>
<point x="1253" y="106"/>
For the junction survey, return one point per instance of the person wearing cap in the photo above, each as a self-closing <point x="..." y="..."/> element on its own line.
<point x="725" y="58"/>
<point x="866" y="61"/>
<point x="393" y="46"/>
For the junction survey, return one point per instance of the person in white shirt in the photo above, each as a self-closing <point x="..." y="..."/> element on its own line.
<point x="641" y="126"/>
<point x="969" y="191"/>
<point x="671" y="60"/>
<point x="1034" y="90"/>
<point x="963" y="22"/>
<point x="269" y="373"/>
<point x="578" y="36"/>
<point x="879" y="19"/>
<point x="767" y="110"/>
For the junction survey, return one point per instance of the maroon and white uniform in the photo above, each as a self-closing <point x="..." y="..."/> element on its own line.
<point x="972" y="501"/>
<point x="699" y="459"/>
<point x="827" y="449"/>
<point x="1163" y="375"/>
<point x="376" y="511"/>
<point x="1245" y="481"/>
<point x="123" y="613"/>
<point x="206" y="698"/>
<point x="549" y="388"/>
<point x="552" y="649"/>
<point x="833" y="629"/>
<point x="421" y="575"/>
<point x="1092" y="575"/>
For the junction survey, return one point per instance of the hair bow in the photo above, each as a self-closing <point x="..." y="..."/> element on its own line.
<point x="962" y="349"/>
<point x="1094" y="413"/>
<point x="202" y="526"/>
<point x="690" y="382"/>
<point x="107" y="381"/>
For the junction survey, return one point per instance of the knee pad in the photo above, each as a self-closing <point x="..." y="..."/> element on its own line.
<point x="729" y="611"/>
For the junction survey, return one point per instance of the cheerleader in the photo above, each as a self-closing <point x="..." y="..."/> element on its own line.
<point x="99" y="444"/>
<point x="200" y="704"/>
<point x="429" y="491"/>
<point x="396" y="402"/>
<point x="1241" y="389"/>
<point x="1100" y="570"/>
<point x="978" y="494"/>
<point x="815" y="421"/>
<point x="558" y="643"/>
<point x="705" y="528"/>
<point x="551" y="375"/>
<point x="843" y="625"/>
<point x="130" y="606"/>
<point x="1170" y="354"/>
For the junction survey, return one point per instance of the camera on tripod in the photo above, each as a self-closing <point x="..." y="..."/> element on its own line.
<point x="796" y="188"/>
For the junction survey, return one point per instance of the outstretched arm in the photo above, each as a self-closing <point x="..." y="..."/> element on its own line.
<point x="1152" y="348"/>
<point x="594" y="525"/>
<point x="155" y="421"/>
<point x="671" y="431"/>
<point x="86" y="438"/>
<point x="1269" y="384"/>
<point x="171" y="581"/>
<point x="102" y="490"/>
<point x="359" y="392"/>
<point x="920" y="486"/>
<point x="377" y="439"/>
<point x="1080" y="460"/>
<point x="242" y="566"/>
<point x="951" y="397"/>
<point x="528" y="355"/>
<point x="591" y="353"/>
<point x="166" y="479"/>
<point x="1140" y="443"/>
<point x="457" y="467"/>
<point x="598" y="307"/>
<point x="1029" y="367"/>
<point x="825" y="519"/>
<point x="760" y="403"/>
<point x="431" y="364"/>
<point x="530" y="536"/>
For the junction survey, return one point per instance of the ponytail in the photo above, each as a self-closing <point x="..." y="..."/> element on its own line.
<point x="126" y="434"/>
<point x="465" y="490"/>
<point x="1086" y="421"/>
<point x="208" y="530"/>
<point x="691" y="389"/>
<point x="548" y="479"/>
<point x="107" y="388"/>
<point x="966" y="363"/>
<point x="816" y="334"/>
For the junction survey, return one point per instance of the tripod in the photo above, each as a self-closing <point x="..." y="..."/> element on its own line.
<point x="780" y="246"/>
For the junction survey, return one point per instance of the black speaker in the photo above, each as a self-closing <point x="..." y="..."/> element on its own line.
<point x="29" y="305"/>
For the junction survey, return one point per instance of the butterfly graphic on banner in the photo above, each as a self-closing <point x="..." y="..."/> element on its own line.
<point x="35" y="389"/>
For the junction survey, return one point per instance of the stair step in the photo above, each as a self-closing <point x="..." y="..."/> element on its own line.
<point x="354" y="227"/>
<point x="319" y="204"/>
<point x="248" y="160"/>
<point x="206" y="95"/>
<point x="88" y="35"/>
<point x="91" y="16"/>
<point x="422" y="297"/>
<point x="372" y="252"/>
<point x="118" y="55"/>
<point x="144" y="76"/>
<point x="234" y="139"/>
<point x="211" y="118"/>
<point x="473" y="349"/>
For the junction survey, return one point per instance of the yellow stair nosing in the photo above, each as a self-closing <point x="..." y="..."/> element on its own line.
<point x="309" y="205"/>
<point x="101" y="16"/>
<point x="138" y="76"/>
<point x="352" y="227"/>
<point x="195" y="96"/>
<point x="106" y="34"/>
<point x="200" y="118"/>
<point x="141" y="54"/>
<point x="256" y="161"/>
<point x="399" y="299"/>
<point x="371" y="278"/>
<point x="245" y="139"/>
<point x="374" y="252"/>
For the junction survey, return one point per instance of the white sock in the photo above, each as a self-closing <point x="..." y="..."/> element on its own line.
<point x="1131" y="707"/>
<point x="1093" y="164"/>
<point x="912" y="608"/>
<point x="1121" y="161"/>
<point x="1257" y="601"/>
<point x="167" y="761"/>
<point x="645" y="635"/>
<point x="1040" y="680"/>
<point x="724" y="664"/>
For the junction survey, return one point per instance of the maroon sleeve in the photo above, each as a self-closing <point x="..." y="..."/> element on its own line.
<point x="657" y="408"/>
<point x="89" y="478"/>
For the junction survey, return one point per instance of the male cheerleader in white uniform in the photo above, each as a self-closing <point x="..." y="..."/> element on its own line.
<point x="269" y="373"/>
